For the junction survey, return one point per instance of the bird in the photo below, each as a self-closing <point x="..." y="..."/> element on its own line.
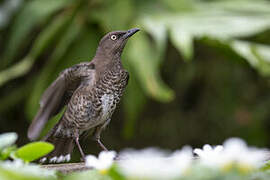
<point x="89" y="92"/>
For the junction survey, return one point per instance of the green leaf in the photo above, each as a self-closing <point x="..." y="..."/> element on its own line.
<point x="51" y="123"/>
<point x="257" y="55"/>
<point x="50" y="34"/>
<point x="145" y="61"/>
<point x="16" y="70"/>
<point x="34" y="151"/>
<point x="180" y="5"/>
<point x="218" y="20"/>
<point x="266" y="166"/>
<point x="33" y="13"/>
<point x="6" y="152"/>
<point x="114" y="173"/>
<point x="7" y="139"/>
<point x="158" y="31"/>
<point x="133" y="94"/>
<point x="110" y="14"/>
<point x="183" y="41"/>
<point x="44" y="40"/>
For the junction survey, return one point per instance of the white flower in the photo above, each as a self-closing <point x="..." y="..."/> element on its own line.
<point x="27" y="170"/>
<point x="103" y="162"/>
<point x="233" y="152"/>
<point x="209" y="156"/>
<point x="237" y="151"/>
<point x="7" y="139"/>
<point x="155" y="164"/>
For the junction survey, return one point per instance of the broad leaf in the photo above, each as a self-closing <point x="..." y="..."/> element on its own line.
<point x="34" y="151"/>
<point x="257" y="55"/>
<point x="145" y="62"/>
<point x="183" y="41"/>
<point x="223" y="21"/>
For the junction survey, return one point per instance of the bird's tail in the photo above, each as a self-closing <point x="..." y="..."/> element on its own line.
<point x="63" y="147"/>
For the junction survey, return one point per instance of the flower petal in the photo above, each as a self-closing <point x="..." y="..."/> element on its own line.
<point x="91" y="161"/>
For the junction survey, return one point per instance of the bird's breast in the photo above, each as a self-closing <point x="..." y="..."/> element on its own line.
<point x="108" y="103"/>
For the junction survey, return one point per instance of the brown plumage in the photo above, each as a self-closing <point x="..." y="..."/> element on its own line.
<point x="91" y="92"/>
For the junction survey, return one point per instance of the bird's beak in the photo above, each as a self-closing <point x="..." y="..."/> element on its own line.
<point x="131" y="32"/>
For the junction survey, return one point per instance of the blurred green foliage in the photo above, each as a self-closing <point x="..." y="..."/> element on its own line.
<point x="29" y="152"/>
<point x="191" y="80"/>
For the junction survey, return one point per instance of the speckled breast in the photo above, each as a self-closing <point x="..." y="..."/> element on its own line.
<point x="113" y="86"/>
<point x="107" y="95"/>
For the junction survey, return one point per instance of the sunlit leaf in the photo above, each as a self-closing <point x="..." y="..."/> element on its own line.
<point x="180" y="5"/>
<point x="183" y="41"/>
<point x="221" y="21"/>
<point x="158" y="31"/>
<point x="216" y="24"/>
<point x="257" y="55"/>
<point x="7" y="139"/>
<point x="145" y="62"/>
<point x="34" y="151"/>
<point x="239" y="6"/>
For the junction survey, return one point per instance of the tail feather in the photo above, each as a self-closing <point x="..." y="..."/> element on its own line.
<point x="63" y="148"/>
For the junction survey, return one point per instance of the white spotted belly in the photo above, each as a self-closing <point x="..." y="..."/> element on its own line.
<point x="108" y="106"/>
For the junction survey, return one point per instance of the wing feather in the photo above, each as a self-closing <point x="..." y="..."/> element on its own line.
<point x="57" y="95"/>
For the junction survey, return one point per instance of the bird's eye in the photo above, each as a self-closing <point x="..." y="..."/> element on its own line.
<point x="113" y="37"/>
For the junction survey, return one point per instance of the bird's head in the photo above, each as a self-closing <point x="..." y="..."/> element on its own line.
<point x="113" y="43"/>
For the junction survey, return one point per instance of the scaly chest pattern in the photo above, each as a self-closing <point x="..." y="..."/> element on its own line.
<point x="92" y="107"/>
<point x="109" y="91"/>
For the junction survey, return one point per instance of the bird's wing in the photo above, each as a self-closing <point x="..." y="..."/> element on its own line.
<point x="58" y="94"/>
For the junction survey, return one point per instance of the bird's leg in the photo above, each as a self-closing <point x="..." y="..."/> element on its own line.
<point x="80" y="148"/>
<point x="101" y="145"/>
<point x="97" y="133"/>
